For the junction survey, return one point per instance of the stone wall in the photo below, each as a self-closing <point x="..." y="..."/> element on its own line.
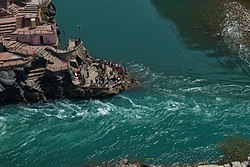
<point x="48" y="39"/>
<point x="69" y="54"/>
<point x="81" y="51"/>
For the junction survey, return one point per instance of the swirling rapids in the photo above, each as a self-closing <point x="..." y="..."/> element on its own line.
<point x="180" y="120"/>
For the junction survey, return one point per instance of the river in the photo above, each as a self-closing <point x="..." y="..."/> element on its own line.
<point x="194" y="90"/>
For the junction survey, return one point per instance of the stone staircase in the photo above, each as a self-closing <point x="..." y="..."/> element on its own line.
<point x="16" y="47"/>
<point x="33" y="78"/>
<point x="35" y="74"/>
<point x="31" y="9"/>
<point x="13" y="37"/>
<point x="22" y="48"/>
<point x="13" y="9"/>
<point x="49" y="57"/>
<point x="7" y="26"/>
<point x="56" y="64"/>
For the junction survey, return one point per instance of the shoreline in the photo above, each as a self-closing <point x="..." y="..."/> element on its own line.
<point x="32" y="67"/>
<point x="126" y="163"/>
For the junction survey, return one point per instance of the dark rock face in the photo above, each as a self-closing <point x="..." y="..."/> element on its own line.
<point x="7" y="78"/>
<point x="34" y="83"/>
<point x="10" y="90"/>
<point x="50" y="13"/>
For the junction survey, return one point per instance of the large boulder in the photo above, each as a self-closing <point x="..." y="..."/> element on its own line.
<point x="7" y="78"/>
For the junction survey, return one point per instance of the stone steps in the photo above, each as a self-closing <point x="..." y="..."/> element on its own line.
<point x="36" y="74"/>
<point x="29" y="9"/>
<point x="10" y="24"/>
<point x="55" y="64"/>
<point x="39" y="49"/>
<point x="37" y="70"/>
<point x="6" y="29"/>
<point x="13" y="9"/>
<point x="17" y="45"/>
<point x="13" y="37"/>
<point x="49" y="57"/>
<point x="36" y="85"/>
<point x="7" y="26"/>
<point x="6" y="33"/>
<point x="7" y="38"/>
<point x="22" y="48"/>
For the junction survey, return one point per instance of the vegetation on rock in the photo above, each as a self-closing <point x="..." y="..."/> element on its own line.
<point x="234" y="149"/>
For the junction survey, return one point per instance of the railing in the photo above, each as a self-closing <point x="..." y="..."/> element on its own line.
<point x="34" y="32"/>
<point x="59" y="51"/>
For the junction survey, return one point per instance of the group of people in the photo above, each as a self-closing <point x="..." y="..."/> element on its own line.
<point x="108" y="73"/>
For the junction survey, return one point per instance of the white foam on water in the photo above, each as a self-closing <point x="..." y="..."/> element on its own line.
<point x="103" y="111"/>
<point x="197" y="108"/>
<point x="47" y="115"/>
<point x="3" y="125"/>
<point x="218" y="99"/>
<point x="194" y="89"/>
<point x="198" y="80"/>
<point x="171" y="105"/>
<point x="30" y="109"/>
<point x="27" y="142"/>
<point x="81" y="114"/>
<point x="61" y="114"/>
<point x="135" y="105"/>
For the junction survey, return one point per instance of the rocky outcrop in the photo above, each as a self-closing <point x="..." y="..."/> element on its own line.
<point x="31" y="73"/>
<point x="126" y="163"/>
<point x="38" y="82"/>
<point x="49" y="13"/>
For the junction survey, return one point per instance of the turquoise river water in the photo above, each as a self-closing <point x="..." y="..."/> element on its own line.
<point x="193" y="93"/>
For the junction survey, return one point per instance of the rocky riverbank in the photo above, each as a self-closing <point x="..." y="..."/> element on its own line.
<point x="74" y="75"/>
<point x="126" y="163"/>
<point x="35" y="83"/>
<point x="38" y="73"/>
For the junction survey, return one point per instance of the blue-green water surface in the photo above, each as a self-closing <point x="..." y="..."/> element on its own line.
<point x="193" y="92"/>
